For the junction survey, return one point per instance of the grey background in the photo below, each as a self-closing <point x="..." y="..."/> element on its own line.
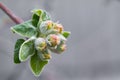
<point x="93" y="48"/>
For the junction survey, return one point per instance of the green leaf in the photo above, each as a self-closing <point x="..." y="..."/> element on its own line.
<point x="43" y="15"/>
<point x="18" y="44"/>
<point x="35" y="20"/>
<point x="66" y="34"/>
<point x="38" y="12"/>
<point x="36" y="16"/>
<point x="37" y="65"/>
<point x="26" y="49"/>
<point x="25" y="29"/>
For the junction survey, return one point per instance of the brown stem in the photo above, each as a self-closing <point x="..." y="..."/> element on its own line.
<point x="15" y="18"/>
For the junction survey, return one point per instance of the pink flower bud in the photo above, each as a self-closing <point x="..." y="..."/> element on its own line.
<point x="59" y="48"/>
<point x="58" y="28"/>
<point x="53" y="40"/>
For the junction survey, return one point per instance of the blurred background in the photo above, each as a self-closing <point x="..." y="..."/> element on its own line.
<point x="93" y="48"/>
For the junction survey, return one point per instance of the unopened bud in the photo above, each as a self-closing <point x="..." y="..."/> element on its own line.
<point x="58" y="28"/>
<point x="49" y="24"/>
<point x="59" y="49"/>
<point x="45" y="55"/>
<point x="53" y="40"/>
<point x="46" y="26"/>
<point x="62" y="47"/>
<point x="40" y="44"/>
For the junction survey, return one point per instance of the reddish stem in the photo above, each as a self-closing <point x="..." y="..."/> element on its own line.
<point x="15" y="18"/>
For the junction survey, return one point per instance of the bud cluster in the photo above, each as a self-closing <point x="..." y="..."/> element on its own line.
<point x="53" y="41"/>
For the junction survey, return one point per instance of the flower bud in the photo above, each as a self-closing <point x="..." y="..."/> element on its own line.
<point x="40" y="44"/>
<point x="58" y="28"/>
<point x="49" y="24"/>
<point x="59" y="49"/>
<point x="62" y="47"/>
<point x="53" y="40"/>
<point x="46" y="26"/>
<point x="45" y="55"/>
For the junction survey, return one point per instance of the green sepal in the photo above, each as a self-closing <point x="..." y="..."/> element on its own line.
<point x="18" y="44"/>
<point x="66" y="34"/>
<point x="37" y="65"/>
<point x="27" y="49"/>
<point x="25" y="29"/>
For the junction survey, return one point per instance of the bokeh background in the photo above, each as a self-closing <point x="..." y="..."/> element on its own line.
<point x="93" y="48"/>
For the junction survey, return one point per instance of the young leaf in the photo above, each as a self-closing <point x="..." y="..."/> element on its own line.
<point x="43" y="15"/>
<point x="37" y="65"/>
<point x="19" y="42"/>
<point x="66" y="34"/>
<point x="25" y="29"/>
<point x="36" y="16"/>
<point x="26" y="49"/>
<point x="35" y="20"/>
<point x="38" y="12"/>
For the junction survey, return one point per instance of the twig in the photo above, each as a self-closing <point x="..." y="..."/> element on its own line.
<point x="15" y="18"/>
